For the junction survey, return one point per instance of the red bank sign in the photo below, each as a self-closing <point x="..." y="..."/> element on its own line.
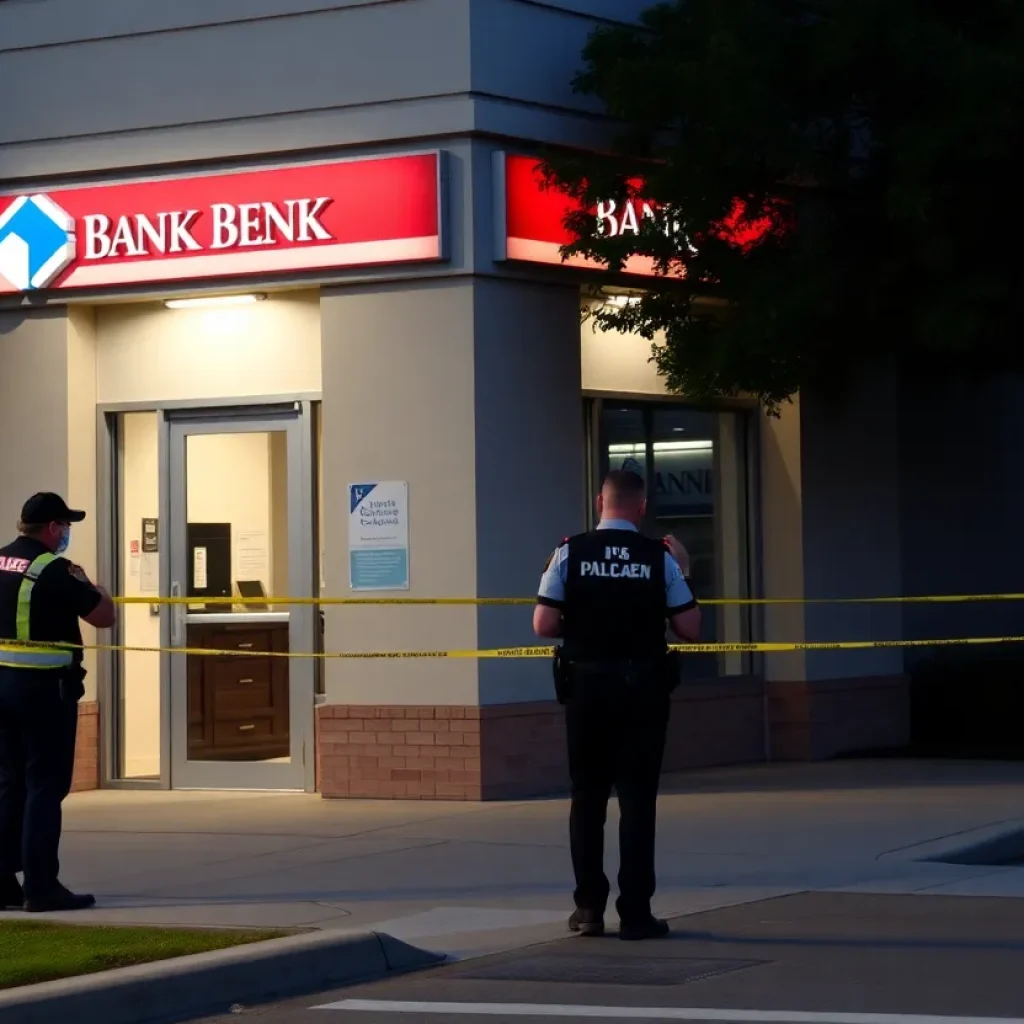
<point x="314" y="217"/>
<point x="531" y="218"/>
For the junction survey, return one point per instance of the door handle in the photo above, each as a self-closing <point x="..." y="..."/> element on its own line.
<point x="177" y="617"/>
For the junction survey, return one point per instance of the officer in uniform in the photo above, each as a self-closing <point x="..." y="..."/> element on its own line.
<point x="607" y="595"/>
<point x="42" y="597"/>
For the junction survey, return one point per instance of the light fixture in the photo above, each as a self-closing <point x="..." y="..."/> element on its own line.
<point x="209" y="301"/>
<point x="639" y="448"/>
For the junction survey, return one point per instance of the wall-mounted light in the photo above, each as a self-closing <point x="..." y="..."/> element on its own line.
<point x="211" y="301"/>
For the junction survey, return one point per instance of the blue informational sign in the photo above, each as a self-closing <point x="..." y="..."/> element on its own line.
<point x="378" y="535"/>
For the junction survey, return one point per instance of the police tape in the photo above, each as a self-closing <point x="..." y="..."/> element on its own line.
<point x="762" y="647"/>
<point x="264" y="602"/>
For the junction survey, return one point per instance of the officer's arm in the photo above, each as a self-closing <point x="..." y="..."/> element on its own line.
<point x="92" y="604"/>
<point x="547" y="616"/>
<point x="104" y="615"/>
<point x="547" y="622"/>
<point x="684" y="616"/>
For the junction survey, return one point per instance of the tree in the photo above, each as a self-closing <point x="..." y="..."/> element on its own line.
<point x="873" y="151"/>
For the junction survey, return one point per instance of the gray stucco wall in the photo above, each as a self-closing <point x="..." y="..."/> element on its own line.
<point x="117" y="84"/>
<point x="850" y="447"/>
<point x="911" y="486"/>
<point x="962" y="492"/>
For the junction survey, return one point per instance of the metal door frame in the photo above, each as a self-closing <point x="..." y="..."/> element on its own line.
<point x="296" y="421"/>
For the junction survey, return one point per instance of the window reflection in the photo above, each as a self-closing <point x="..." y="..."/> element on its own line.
<point x="686" y="456"/>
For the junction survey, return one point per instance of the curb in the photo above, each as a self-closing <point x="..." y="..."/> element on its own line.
<point x="990" y="845"/>
<point x="1005" y="848"/>
<point x="204" y="984"/>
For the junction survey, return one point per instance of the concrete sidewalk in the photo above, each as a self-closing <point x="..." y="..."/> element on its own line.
<point x="466" y="879"/>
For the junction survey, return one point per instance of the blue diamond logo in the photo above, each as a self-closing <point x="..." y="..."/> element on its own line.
<point x="37" y="242"/>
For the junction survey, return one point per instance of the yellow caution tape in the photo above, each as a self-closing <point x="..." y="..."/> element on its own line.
<point x="525" y="652"/>
<point x="472" y="601"/>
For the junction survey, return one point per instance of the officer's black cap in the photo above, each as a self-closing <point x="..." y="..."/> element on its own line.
<point x="47" y="507"/>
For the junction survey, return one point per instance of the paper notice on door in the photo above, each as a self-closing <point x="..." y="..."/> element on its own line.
<point x="150" y="582"/>
<point x="199" y="581"/>
<point x="252" y="555"/>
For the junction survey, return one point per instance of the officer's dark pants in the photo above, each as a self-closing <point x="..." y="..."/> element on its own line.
<point x="616" y="725"/>
<point x="38" y="724"/>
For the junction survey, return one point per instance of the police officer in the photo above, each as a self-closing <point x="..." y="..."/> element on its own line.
<point x="607" y="595"/>
<point x="42" y="597"/>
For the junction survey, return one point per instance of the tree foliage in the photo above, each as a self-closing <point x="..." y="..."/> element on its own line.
<point x="883" y="141"/>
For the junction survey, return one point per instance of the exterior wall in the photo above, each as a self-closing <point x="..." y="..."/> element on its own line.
<point x="782" y="528"/>
<point x="283" y="76"/>
<point x="529" y="464"/>
<point x="47" y="362"/>
<point x="266" y="77"/>
<point x="852" y="524"/>
<point x="963" y="504"/>
<point x="618" y="363"/>
<point x="87" y="748"/>
<point x="398" y="376"/>
<point x="147" y="353"/>
<point x="472" y="391"/>
<point x="33" y="377"/>
<point x="832" y="528"/>
<point x="81" y="488"/>
<point x="511" y="751"/>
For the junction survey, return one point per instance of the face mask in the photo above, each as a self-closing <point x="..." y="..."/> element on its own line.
<point x="65" y="540"/>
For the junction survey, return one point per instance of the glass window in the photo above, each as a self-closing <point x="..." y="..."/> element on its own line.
<point x="695" y="466"/>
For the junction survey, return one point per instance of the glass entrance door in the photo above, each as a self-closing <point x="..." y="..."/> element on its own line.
<point x="241" y="527"/>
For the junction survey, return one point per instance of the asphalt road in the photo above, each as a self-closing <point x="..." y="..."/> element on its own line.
<point x="805" y="958"/>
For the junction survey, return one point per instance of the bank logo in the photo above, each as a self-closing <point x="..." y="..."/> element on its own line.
<point x="37" y="242"/>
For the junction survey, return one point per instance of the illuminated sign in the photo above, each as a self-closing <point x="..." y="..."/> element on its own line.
<point x="314" y="217"/>
<point x="531" y="219"/>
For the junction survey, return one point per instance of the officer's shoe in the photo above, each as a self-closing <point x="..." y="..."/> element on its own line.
<point x="11" y="895"/>
<point x="586" y="922"/>
<point x="636" y="931"/>
<point x="59" y="898"/>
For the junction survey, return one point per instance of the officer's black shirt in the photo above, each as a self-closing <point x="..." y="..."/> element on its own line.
<point x="615" y="602"/>
<point x="61" y="596"/>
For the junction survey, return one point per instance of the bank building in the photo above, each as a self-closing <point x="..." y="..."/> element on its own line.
<point x="283" y="277"/>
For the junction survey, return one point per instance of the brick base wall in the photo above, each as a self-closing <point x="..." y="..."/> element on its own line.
<point x="413" y="753"/>
<point x="511" y="751"/>
<point x="716" y="722"/>
<point x="87" y="748"/>
<point x="825" y="718"/>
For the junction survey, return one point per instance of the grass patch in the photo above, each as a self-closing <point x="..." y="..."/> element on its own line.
<point x="31" y="951"/>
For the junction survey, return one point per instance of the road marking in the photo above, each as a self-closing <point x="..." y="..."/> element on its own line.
<point x="698" y="1013"/>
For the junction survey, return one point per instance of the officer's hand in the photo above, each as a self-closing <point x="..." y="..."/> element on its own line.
<point x="678" y="551"/>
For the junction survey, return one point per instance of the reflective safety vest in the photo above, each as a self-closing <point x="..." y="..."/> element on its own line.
<point x="27" y="657"/>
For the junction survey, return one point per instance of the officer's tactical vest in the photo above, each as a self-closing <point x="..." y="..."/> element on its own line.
<point x="17" y="656"/>
<point x="614" y="597"/>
